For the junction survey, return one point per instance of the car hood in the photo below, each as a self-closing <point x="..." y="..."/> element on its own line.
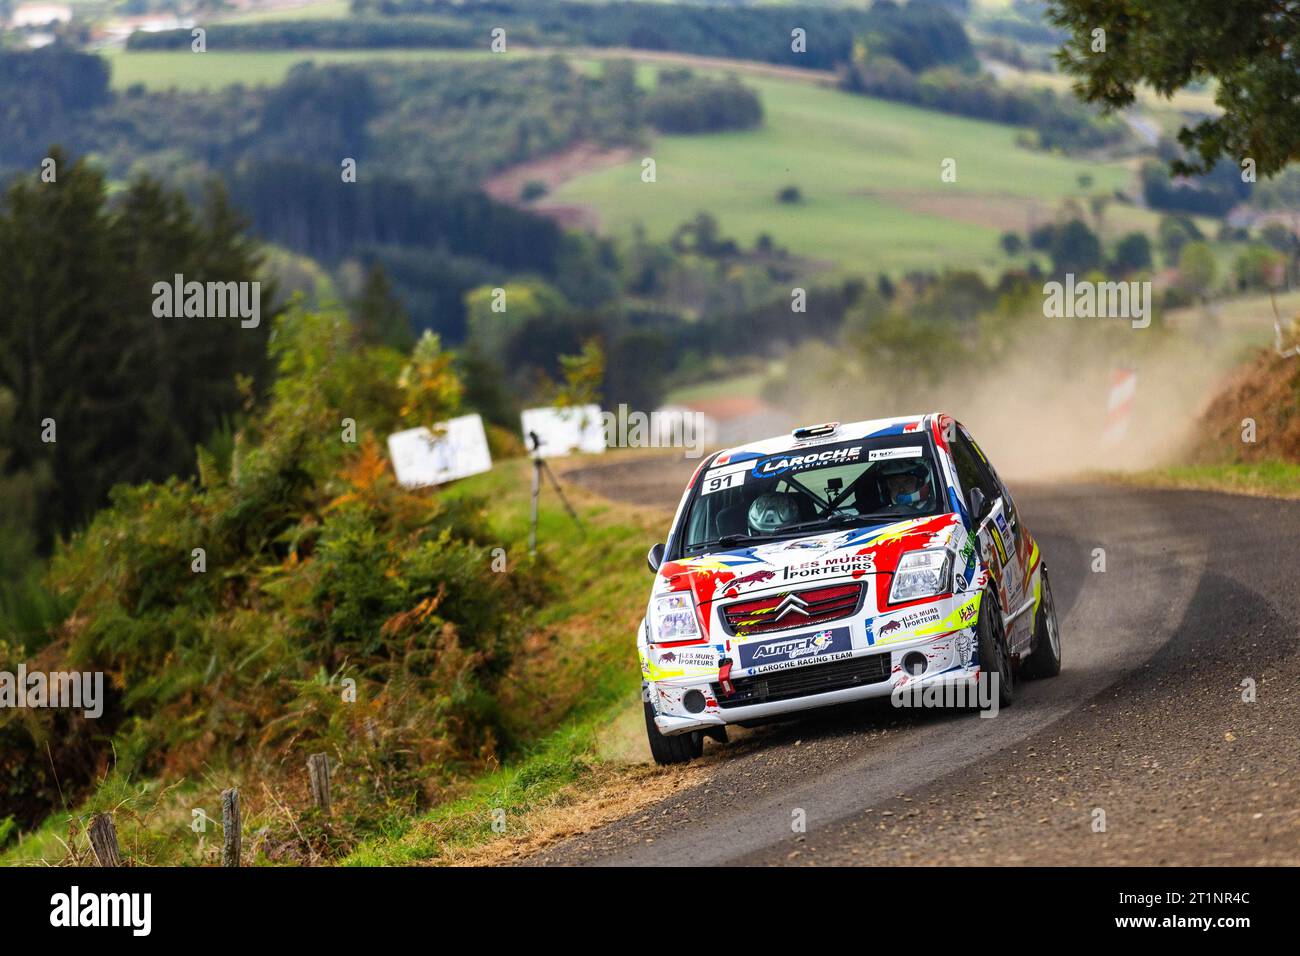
<point x="799" y="562"/>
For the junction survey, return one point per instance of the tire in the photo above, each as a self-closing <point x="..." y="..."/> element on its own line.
<point x="1045" y="660"/>
<point x="677" y="749"/>
<point x="994" y="658"/>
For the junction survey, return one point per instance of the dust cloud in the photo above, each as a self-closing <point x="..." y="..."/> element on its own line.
<point x="1038" y="407"/>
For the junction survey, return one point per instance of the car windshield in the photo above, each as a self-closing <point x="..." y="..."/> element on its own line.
<point x="744" y="498"/>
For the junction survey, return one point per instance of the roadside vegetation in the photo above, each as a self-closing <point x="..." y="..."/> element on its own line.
<point x="1247" y="440"/>
<point x="407" y="634"/>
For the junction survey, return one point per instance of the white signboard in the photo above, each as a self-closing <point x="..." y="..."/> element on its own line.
<point x="562" y="431"/>
<point x="454" y="449"/>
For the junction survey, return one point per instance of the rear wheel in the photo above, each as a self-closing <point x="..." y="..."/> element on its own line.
<point x="995" y="659"/>
<point x="1045" y="661"/>
<point x="677" y="749"/>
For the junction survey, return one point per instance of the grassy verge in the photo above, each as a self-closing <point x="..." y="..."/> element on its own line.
<point x="1272" y="479"/>
<point x="571" y="703"/>
<point x="583" y="775"/>
<point x="579" y="677"/>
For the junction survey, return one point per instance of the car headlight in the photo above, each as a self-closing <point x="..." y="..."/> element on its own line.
<point x="921" y="574"/>
<point x="673" y="619"/>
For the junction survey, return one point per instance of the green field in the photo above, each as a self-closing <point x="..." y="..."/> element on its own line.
<point x="183" y="70"/>
<point x="869" y="171"/>
<point x="322" y="10"/>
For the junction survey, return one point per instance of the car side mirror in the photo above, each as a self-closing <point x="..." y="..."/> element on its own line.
<point x="977" y="502"/>
<point x="655" y="557"/>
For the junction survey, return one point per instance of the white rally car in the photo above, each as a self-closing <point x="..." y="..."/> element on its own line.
<point x="838" y="563"/>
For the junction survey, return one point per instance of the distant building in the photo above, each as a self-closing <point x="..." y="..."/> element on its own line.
<point x="116" y="32"/>
<point x="40" y="15"/>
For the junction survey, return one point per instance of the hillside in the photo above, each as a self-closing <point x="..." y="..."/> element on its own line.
<point x="869" y="174"/>
<point x="868" y="169"/>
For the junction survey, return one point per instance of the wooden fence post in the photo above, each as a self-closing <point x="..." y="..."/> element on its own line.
<point x="103" y="840"/>
<point x="318" y="770"/>
<point x="232" y="842"/>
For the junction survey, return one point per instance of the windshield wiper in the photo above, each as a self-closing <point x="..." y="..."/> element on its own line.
<point x="731" y="540"/>
<point x="735" y="540"/>
<point x="830" y="521"/>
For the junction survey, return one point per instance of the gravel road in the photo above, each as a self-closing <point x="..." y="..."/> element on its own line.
<point x="1145" y="730"/>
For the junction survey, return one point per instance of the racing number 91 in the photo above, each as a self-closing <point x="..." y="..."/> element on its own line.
<point x="723" y="481"/>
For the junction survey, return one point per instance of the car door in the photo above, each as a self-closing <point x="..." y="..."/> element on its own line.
<point x="998" y="543"/>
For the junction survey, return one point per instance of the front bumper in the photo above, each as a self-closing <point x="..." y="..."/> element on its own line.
<point x="950" y="659"/>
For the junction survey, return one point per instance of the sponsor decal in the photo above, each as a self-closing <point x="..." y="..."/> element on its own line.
<point x="698" y="658"/>
<point x="807" y="545"/>
<point x="884" y="454"/>
<point x="774" y="465"/>
<point x="856" y="565"/>
<point x="831" y="644"/>
<point x="895" y="629"/>
<point x="757" y="577"/>
<point x="925" y="615"/>
<point x="996" y="535"/>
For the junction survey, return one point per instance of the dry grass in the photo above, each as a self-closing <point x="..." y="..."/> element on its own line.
<point x="609" y="793"/>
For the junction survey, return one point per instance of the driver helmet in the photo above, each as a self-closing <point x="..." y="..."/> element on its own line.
<point x="771" y="511"/>
<point x="907" y="481"/>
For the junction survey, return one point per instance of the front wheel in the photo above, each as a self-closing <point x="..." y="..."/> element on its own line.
<point x="677" y="749"/>
<point x="994" y="658"/>
<point x="1045" y="661"/>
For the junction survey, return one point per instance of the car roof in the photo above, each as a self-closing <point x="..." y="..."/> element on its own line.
<point x="847" y="431"/>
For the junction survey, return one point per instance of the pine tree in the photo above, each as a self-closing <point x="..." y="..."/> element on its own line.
<point x="130" y="394"/>
<point x="379" y="315"/>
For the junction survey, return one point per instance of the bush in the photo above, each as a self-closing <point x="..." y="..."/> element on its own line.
<point x="1132" y="254"/>
<point x="318" y="567"/>
<point x="1210" y="195"/>
<point x="1054" y="121"/>
<point x="699" y="105"/>
<point x="533" y="189"/>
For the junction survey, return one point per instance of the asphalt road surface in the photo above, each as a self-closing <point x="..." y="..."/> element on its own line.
<point x="1143" y="750"/>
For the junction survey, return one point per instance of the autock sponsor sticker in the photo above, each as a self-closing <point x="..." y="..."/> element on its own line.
<point x="831" y="644"/>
